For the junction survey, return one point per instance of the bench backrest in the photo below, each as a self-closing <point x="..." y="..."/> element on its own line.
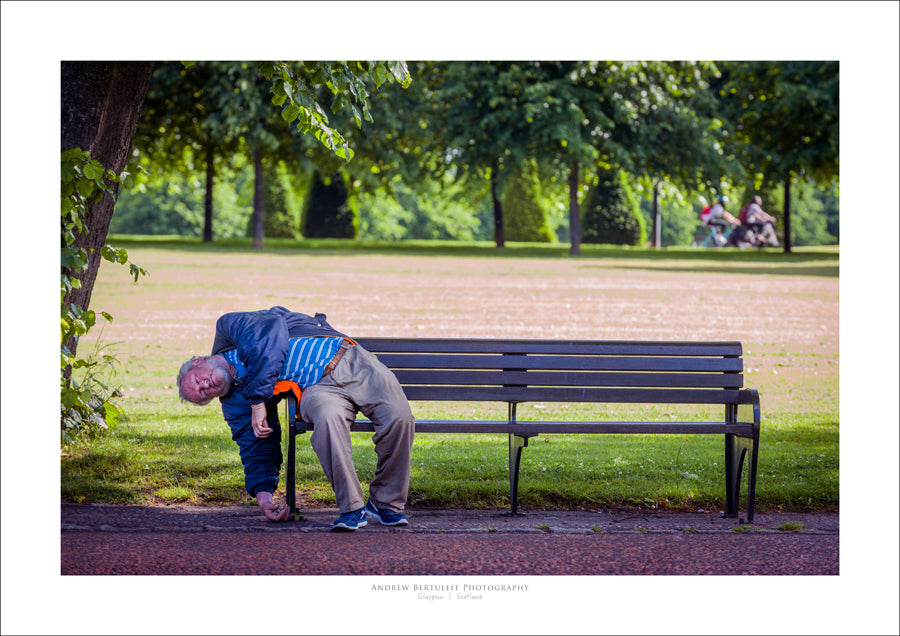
<point x="563" y="371"/>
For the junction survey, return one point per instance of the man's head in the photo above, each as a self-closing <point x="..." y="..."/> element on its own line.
<point x="203" y="378"/>
<point x="757" y="200"/>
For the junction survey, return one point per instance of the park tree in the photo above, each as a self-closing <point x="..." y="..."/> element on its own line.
<point x="319" y="168"/>
<point x="522" y="206"/>
<point x="482" y="119"/>
<point x="577" y="119"/>
<point x="399" y="167"/>
<point x="644" y="118"/>
<point x="611" y="212"/>
<point x="183" y="124"/>
<point x="212" y="112"/>
<point x="404" y="148"/>
<point x="327" y="212"/>
<point x="281" y="218"/>
<point x="785" y="117"/>
<point x="100" y="106"/>
<point x="480" y="123"/>
<point x="102" y="101"/>
<point x="674" y="135"/>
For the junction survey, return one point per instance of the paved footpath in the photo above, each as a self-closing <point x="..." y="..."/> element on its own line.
<point x="174" y="540"/>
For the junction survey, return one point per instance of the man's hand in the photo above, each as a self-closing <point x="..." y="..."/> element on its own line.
<point x="272" y="512"/>
<point x="258" y="421"/>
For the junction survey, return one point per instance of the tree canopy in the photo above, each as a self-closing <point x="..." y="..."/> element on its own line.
<point x="676" y="129"/>
<point x="786" y="122"/>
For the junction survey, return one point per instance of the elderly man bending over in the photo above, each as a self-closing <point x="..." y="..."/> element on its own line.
<point x="254" y="351"/>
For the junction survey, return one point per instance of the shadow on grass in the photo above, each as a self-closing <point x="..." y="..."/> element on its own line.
<point x="792" y="268"/>
<point x="80" y="488"/>
<point x="481" y="249"/>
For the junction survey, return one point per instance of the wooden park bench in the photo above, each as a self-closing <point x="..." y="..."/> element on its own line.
<point x="519" y="371"/>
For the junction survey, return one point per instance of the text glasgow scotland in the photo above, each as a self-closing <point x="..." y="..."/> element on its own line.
<point x="456" y="587"/>
<point x="440" y="592"/>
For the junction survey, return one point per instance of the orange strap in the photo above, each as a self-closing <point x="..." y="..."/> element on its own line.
<point x="283" y="386"/>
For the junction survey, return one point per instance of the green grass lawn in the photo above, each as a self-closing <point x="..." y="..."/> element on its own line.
<point x="169" y="452"/>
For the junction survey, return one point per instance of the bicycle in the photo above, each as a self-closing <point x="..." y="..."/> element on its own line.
<point x="715" y="237"/>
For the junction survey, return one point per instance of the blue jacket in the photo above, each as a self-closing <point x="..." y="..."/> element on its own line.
<point x="261" y="338"/>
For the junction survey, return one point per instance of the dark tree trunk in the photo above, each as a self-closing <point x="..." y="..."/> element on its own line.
<point x="100" y="106"/>
<point x="208" y="197"/>
<point x="259" y="226"/>
<point x="499" y="230"/>
<point x="574" y="212"/>
<point x="657" y="218"/>
<point x="787" y="214"/>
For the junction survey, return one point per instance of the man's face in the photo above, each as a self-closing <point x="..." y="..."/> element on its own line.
<point x="208" y="378"/>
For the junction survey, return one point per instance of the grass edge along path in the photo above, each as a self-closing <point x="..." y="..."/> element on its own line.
<point x="139" y="463"/>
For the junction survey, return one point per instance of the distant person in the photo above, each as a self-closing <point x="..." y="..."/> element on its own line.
<point x="255" y="351"/>
<point x="760" y="222"/>
<point x="718" y="217"/>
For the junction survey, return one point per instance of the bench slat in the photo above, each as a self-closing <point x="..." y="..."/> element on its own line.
<point x="572" y="347"/>
<point x="575" y="428"/>
<point x="550" y="394"/>
<point x="563" y="378"/>
<point x="567" y="363"/>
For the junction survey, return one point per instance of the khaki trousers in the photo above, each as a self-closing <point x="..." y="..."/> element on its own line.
<point x="359" y="382"/>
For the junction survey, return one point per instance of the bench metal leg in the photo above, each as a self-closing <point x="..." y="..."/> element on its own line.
<point x="736" y="449"/>
<point x="290" y="476"/>
<point x="516" y="444"/>
<point x="751" y="485"/>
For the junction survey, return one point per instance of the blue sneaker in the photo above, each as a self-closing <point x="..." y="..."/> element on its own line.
<point x="350" y="521"/>
<point x="385" y="517"/>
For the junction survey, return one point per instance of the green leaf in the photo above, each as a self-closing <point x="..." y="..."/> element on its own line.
<point x="137" y="271"/>
<point x="340" y="102"/>
<point x="290" y="112"/>
<point x="112" y="414"/>
<point x="79" y="327"/>
<point x="67" y="258"/>
<point x="266" y="69"/>
<point x="68" y="398"/>
<point x="67" y="172"/>
<point x="75" y="155"/>
<point x="344" y="152"/>
<point x="279" y="90"/>
<point x="84" y="188"/>
<point x="401" y="73"/>
<point x="93" y="170"/>
<point x="381" y="74"/>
